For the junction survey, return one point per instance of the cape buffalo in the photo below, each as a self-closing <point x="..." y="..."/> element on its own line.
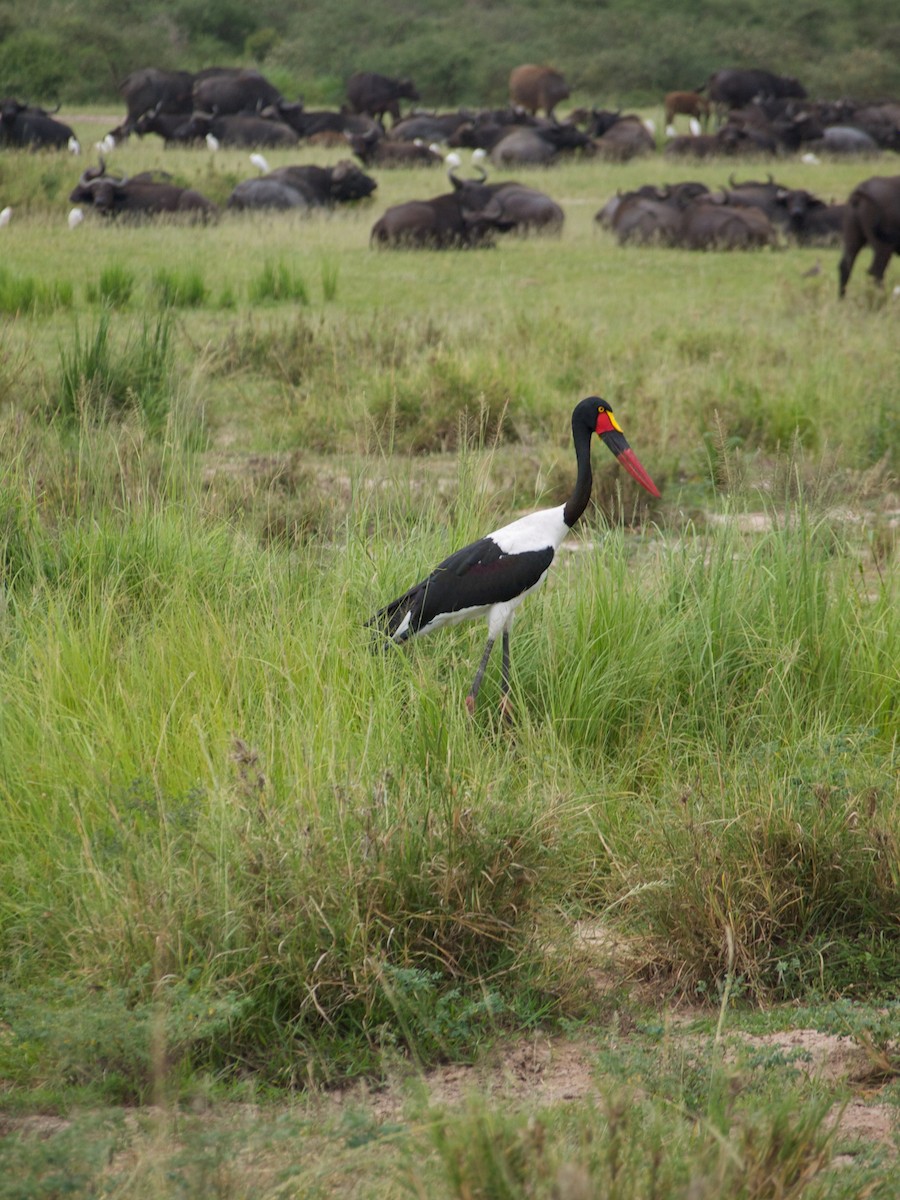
<point x="707" y="226"/>
<point x="731" y="88"/>
<point x="538" y="144"/>
<point x="461" y="218"/>
<point x="369" y="92"/>
<point x="32" y="128"/>
<point x="150" y="89"/>
<point x="687" y="104"/>
<point x="375" y="151"/>
<point x="624" y="139"/>
<point x="304" y="187"/>
<point x="810" y="221"/>
<point x="534" y="87"/>
<point x="873" y="217"/>
<point x="237" y="129"/>
<point x="226" y="94"/>
<point x="139" y="196"/>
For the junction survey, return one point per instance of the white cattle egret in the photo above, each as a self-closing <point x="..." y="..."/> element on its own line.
<point x="453" y="160"/>
<point x="260" y="163"/>
<point x="74" y="145"/>
<point x="212" y="142"/>
<point x="5" y="216"/>
<point x="76" y="216"/>
<point x="479" y="155"/>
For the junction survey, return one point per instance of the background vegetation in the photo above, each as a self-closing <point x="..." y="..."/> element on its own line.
<point x="622" y="51"/>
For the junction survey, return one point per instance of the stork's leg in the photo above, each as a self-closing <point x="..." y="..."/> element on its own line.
<point x="505" y="706"/>
<point x="479" y="675"/>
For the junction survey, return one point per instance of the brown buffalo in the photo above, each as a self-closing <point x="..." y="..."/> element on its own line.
<point x="688" y="104"/>
<point x="532" y="87"/>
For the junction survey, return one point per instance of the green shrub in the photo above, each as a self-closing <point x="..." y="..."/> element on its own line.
<point x="179" y="289"/>
<point x="98" y="381"/>
<point x="278" y="283"/>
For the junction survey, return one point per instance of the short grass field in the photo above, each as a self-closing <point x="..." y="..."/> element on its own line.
<point x="277" y="917"/>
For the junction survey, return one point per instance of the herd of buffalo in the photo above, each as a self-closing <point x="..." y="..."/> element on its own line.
<point x="736" y="112"/>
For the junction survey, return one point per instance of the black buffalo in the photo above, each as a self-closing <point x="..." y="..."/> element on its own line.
<point x="32" y="128"/>
<point x="232" y="92"/>
<point x="873" y="218"/>
<point x="374" y="94"/>
<point x="141" y="195"/>
<point x="150" y="89"/>
<point x="709" y="226"/>
<point x="314" y="123"/>
<point x="461" y="218"/>
<point x="304" y="187"/>
<point x="733" y="87"/>
<point x="171" y="127"/>
<point x="430" y="127"/>
<point x="237" y="129"/>
<point x="375" y="151"/>
<point x="650" y="214"/>
<point x="625" y="138"/>
<point x="539" y="144"/>
<point x="811" y="221"/>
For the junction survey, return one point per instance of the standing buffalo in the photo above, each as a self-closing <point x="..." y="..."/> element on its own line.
<point x="152" y="90"/>
<point x="532" y="87"/>
<point x="228" y="92"/>
<point x="369" y="92"/>
<point x="687" y="104"/>
<point x="33" y="128"/>
<point x="304" y="187"/>
<point x="873" y="217"/>
<point x="139" y="196"/>
<point x="732" y="88"/>
<point x="461" y="218"/>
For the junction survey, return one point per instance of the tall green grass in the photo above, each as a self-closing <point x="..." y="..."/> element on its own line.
<point x="100" y="379"/>
<point x="211" y="782"/>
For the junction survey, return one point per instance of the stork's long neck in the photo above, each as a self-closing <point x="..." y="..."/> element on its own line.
<point x="581" y="493"/>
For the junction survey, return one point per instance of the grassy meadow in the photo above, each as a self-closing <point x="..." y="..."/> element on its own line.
<point x="246" y="860"/>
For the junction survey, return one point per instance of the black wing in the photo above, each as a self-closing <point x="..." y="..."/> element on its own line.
<point x="479" y="574"/>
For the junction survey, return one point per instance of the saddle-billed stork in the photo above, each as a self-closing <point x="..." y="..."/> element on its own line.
<point x="491" y="577"/>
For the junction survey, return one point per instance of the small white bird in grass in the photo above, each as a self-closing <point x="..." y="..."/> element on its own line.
<point x="106" y="145"/>
<point x="5" y="216"/>
<point x="76" y="216"/>
<point x="260" y="163"/>
<point x="650" y="125"/>
<point x="491" y="577"/>
<point x="453" y="160"/>
<point x="695" y="127"/>
<point x="810" y="159"/>
<point x="74" y="145"/>
<point x="479" y="155"/>
<point x="212" y="142"/>
<point x="671" y="131"/>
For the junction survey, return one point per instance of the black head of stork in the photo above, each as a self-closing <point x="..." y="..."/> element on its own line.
<point x="492" y="576"/>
